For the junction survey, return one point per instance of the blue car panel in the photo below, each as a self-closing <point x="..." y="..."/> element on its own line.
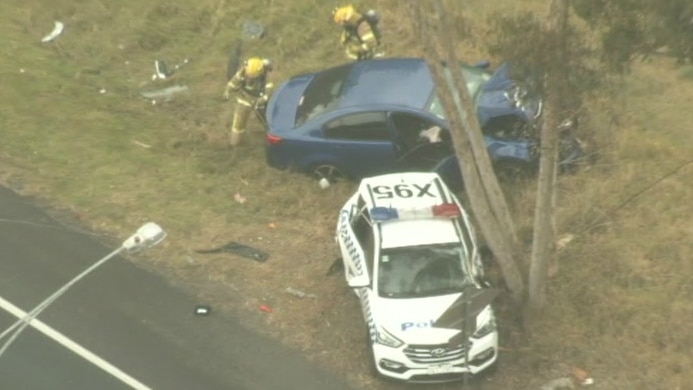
<point x="281" y="117"/>
<point x="368" y="117"/>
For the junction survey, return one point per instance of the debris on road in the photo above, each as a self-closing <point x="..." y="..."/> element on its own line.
<point x="265" y="308"/>
<point x="165" y="94"/>
<point x="202" y="310"/>
<point x="58" y="28"/>
<point x="238" y="249"/>
<point x="299" y="293"/>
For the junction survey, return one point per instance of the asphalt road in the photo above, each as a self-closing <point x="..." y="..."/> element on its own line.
<point x="121" y="327"/>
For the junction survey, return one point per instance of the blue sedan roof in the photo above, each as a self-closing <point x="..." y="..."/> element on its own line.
<point x="396" y="81"/>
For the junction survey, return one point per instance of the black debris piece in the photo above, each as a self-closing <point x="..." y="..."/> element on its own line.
<point x="238" y="249"/>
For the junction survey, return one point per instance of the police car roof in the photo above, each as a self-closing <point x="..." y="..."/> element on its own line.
<point x="410" y="190"/>
<point x="405" y="190"/>
<point x="398" y="234"/>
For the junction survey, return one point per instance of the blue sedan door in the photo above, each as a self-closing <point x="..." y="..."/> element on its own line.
<point x="360" y="143"/>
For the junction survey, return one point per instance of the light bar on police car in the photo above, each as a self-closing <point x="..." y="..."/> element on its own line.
<point x="445" y="210"/>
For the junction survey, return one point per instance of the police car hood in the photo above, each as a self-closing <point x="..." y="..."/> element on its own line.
<point x="411" y="320"/>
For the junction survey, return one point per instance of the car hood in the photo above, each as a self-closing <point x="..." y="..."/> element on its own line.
<point x="411" y="320"/>
<point x="282" y="106"/>
<point x="493" y="100"/>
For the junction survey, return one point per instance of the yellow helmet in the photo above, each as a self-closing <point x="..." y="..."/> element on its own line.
<point x="254" y="67"/>
<point x="342" y="14"/>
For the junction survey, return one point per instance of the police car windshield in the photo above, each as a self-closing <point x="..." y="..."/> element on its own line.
<point x="421" y="271"/>
<point x="322" y="94"/>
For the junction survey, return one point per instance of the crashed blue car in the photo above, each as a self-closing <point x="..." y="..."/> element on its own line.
<point x="381" y="116"/>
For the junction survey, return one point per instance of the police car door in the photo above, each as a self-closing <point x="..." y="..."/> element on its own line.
<point x="355" y="268"/>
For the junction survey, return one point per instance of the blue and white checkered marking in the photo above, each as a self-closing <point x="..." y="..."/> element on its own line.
<point x="349" y="242"/>
<point x="368" y="313"/>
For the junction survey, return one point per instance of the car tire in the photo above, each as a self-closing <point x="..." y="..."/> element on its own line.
<point x="327" y="171"/>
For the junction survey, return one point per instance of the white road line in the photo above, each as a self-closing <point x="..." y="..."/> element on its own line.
<point x="74" y="347"/>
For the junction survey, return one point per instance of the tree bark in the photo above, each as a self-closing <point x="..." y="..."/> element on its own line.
<point x="481" y="186"/>
<point x="544" y="215"/>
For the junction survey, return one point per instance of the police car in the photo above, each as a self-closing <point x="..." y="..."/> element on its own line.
<point x="410" y="255"/>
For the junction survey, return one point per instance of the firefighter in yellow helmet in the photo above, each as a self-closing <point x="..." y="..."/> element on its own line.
<point x="250" y="84"/>
<point x="360" y="34"/>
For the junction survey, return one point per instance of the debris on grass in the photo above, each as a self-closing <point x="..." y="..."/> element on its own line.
<point x="265" y="308"/>
<point x="238" y="249"/>
<point x="337" y="267"/>
<point x="299" y="293"/>
<point x="559" y="383"/>
<point x="142" y="144"/>
<point x="253" y="30"/>
<point x="239" y="198"/>
<point x="272" y="225"/>
<point x="165" y="94"/>
<point x="324" y="183"/>
<point x="162" y="71"/>
<point x="581" y="376"/>
<point x="203" y="310"/>
<point x="58" y="28"/>
<point x="564" y="240"/>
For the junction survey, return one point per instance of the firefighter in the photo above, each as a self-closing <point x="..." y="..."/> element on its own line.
<point x="250" y="84"/>
<point x="360" y="34"/>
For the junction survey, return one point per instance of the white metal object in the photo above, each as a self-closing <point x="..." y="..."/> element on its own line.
<point x="147" y="236"/>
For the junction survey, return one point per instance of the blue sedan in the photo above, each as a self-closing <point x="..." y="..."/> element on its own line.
<point x="380" y="116"/>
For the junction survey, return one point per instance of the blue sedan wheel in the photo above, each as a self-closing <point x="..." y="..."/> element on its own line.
<point x="329" y="172"/>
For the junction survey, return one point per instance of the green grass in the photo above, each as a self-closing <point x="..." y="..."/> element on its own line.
<point x="619" y="306"/>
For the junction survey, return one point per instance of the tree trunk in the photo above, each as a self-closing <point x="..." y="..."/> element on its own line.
<point x="485" y="196"/>
<point x="544" y="215"/>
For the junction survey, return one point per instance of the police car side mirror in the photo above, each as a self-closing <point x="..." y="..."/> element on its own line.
<point x="359" y="281"/>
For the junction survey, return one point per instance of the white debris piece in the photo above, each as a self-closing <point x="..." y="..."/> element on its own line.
<point x="559" y="383"/>
<point x="58" y="28"/>
<point x="299" y="293"/>
<point x="165" y="94"/>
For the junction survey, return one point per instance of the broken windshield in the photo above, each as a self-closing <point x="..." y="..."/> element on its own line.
<point x="422" y="271"/>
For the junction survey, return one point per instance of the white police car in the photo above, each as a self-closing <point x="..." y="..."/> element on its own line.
<point x="410" y="254"/>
